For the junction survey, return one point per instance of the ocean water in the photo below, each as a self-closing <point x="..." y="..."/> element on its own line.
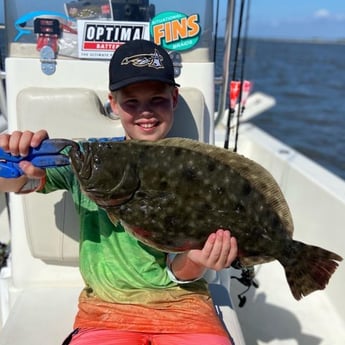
<point x="308" y="82"/>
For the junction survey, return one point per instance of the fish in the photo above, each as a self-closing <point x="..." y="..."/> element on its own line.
<point x="172" y="193"/>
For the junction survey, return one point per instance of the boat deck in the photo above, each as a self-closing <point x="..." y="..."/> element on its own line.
<point x="272" y="316"/>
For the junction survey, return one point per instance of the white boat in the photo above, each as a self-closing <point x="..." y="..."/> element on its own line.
<point x="66" y="94"/>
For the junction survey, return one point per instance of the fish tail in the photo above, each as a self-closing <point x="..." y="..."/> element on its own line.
<point x="308" y="268"/>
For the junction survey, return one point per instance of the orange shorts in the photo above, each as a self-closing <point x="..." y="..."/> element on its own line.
<point x="114" y="337"/>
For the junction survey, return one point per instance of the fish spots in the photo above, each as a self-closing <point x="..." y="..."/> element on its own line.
<point x="189" y="174"/>
<point x="178" y="151"/>
<point x="220" y="191"/>
<point x="239" y="208"/>
<point x="163" y="185"/>
<point x="211" y="166"/>
<point x="275" y="222"/>
<point x="96" y="159"/>
<point x="246" y="188"/>
<point x="162" y="151"/>
<point x="170" y="221"/>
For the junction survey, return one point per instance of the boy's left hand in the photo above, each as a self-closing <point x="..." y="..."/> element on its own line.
<point x="219" y="251"/>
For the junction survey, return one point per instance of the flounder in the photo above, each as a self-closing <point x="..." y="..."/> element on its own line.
<point x="172" y="193"/>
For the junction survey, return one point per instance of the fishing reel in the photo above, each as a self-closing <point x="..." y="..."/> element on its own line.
<point x="247" y="279"/>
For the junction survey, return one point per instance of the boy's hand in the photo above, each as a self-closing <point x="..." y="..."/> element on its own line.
<point x="219" y="251"/>
<point x="18" y="143"/>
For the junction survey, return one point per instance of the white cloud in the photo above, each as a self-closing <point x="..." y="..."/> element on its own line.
<point x="322" y="13"/>
<point x="326" y="14"/>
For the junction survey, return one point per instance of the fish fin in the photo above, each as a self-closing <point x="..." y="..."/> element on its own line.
<point x="310" y="269"/>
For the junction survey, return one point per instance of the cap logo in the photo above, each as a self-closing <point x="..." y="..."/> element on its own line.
<point x="145" y="60"/>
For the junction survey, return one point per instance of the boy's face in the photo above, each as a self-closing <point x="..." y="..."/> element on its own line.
<point x="145" y="109"/>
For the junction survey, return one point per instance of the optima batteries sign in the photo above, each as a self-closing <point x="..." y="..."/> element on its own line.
<point x="99" y="39"/>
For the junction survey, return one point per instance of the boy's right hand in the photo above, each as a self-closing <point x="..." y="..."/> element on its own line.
<point x="18" y="143"/>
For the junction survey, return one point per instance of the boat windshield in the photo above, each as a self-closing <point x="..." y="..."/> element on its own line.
<point x="66" y="25"/>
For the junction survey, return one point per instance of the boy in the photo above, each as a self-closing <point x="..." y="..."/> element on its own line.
<point x="134" y="294"/>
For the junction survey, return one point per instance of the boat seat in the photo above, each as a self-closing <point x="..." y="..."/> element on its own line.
<point x="44" y="281"/>
<point x="78" y="113"/>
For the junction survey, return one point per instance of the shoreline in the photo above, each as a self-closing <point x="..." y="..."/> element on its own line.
<point x="300" y="40"/>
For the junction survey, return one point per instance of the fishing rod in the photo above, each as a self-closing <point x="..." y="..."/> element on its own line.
<point x="231" y="110"/>
<point x="236" y="87"/>
<point x="245" y="85"/>
<point x="216" y="31"/>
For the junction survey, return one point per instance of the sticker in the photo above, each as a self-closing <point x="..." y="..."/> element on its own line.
<point x="99" y="39"/>
<point x="90" y="9"/>
<point x="175" y="30"/>
<point x="23" y="28"/>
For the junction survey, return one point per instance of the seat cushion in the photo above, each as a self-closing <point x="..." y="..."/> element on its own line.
<point x="42" y="315"/>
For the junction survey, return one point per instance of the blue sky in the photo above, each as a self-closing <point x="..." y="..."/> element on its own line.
<point x="297" y="19"/>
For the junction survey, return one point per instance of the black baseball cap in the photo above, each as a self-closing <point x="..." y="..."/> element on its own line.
<point x="140" y="60"/>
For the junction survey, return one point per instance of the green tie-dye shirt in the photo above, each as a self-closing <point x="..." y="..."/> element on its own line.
<point x="127" y="284"/>
<point x="114" y="265"/>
